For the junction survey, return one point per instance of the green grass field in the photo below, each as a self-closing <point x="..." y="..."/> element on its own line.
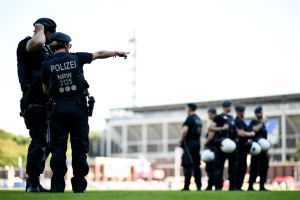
<point x="150" y="195"/>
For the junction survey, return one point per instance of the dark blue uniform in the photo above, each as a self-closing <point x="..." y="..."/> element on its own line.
<point x="220" y="156"/>
<point x="242" y="150"/>
<point x="191" y="151"/>
<point x="260" y="163"/>
<point x="63" y="74"/>
<point x="33" y="108"/>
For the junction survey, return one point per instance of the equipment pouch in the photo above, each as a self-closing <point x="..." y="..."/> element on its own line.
<point x="34" y="116"/>
<point x="91" y="103"/>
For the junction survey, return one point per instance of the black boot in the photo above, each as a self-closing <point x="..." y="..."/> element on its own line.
<point x="209" y="188"/>
<point x="250" y="188"/>
<point x="262" y="188"/>
<point x="42" y="189"/>
<point x="185" y="189"/>
<point x="32" y="184"/>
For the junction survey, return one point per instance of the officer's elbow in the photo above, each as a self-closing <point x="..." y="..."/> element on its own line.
<point x="34" y="45"/>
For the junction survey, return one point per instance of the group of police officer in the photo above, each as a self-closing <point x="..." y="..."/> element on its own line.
<point x="55" y="104"/>
<point x="227" y="138"/>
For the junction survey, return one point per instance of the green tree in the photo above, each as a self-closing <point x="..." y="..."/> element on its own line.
<point x="11" y="147"/>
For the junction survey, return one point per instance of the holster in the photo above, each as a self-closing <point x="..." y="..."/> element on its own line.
<point x="24" y="103"/>
<point x="91" y="103"/>
<point x="33" y="115"/>
<point x="50" y="107"/>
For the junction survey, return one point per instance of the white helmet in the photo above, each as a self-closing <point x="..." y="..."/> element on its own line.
<point x="228" y="146"/>
<point x="255" y="149"/>
<point x="264" y="144"/>
<point x="207" y="155"/>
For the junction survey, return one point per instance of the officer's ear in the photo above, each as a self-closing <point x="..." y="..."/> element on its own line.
<point x="68" y="45"/>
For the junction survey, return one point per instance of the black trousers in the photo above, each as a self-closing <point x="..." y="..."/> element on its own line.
<point x="242" y="152"/>
<point x="218" y="169"/>
<point x="191" y="163"/>
<point x="259" y="167"/>
<point x="37" y="151"/>
<point x="70" y="116"/>
<point x="209" y="171"/>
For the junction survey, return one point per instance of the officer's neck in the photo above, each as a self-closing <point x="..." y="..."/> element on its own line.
<point x="225" y="112"/>
<point x="240" y="116"/>
<point x="191" y="113"/>
<point x="63" y="50"/>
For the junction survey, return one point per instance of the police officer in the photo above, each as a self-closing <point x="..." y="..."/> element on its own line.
<point x="260" y="163"/>
<point x="190" y="142"/>
<point x="223" y="128"/>
<point x="209" y="144"/>
<point x="64" y="82"/>
<point x="31" y="52"/>
<point x="244" y="141"/>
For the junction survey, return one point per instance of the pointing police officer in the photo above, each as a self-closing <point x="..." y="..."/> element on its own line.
<point x="244" y="139"/>
<point x="259" y="163"/>
<point x="64" y="82"/>
<point x="223" y="129"/>
<point x="190" y="142"/>
<point x="31" y="52"/>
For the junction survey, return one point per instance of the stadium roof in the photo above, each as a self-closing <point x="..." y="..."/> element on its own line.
<point x="276" y="99"/>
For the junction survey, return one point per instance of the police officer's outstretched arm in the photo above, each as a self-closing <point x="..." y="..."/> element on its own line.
<point x="38" y="40"/>
<point x="108" y="54"/>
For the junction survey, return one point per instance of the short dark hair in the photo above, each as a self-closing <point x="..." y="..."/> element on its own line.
<point x="212" y="110"/>
<point x="258" y="109"/>
<point x="226" y="103"/>
<point x="58" y="45"/>
<point x="240" y="108"/>
<point x="192" y="106"/>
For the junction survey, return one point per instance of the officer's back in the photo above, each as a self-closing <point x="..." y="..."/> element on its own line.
<point x="63" y="81"/>
<point x="65" y="75"/>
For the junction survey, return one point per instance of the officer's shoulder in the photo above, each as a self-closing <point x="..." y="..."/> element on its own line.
<point x="253" y="121"/>
<point x="237" y="119"/>
<point x="74" y="54"/>
<point x="218" y="117"/>
<point x="196" y="117"/>
<point x="23" y="42"/>
<point x="47" y="59"/>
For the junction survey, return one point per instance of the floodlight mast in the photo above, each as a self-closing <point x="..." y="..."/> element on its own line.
<point x="133" y="69"/>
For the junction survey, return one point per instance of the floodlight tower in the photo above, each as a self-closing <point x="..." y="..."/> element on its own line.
<point x="133" y="42"/>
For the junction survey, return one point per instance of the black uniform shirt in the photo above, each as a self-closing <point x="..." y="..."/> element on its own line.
<point x="262" y="133"/>
<point x="63" y="74"/>
<point x="193" y="122"/>
<point x="220" y="121"/>
<point x="29" y="69"/>
<point x="241" y="124"/>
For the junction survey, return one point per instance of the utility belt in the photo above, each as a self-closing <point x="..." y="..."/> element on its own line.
<point x="81" y="98"/>
<point x="32" y="114"/>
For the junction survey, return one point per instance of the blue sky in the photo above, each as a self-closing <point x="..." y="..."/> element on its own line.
<point x="187" y="50"/>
